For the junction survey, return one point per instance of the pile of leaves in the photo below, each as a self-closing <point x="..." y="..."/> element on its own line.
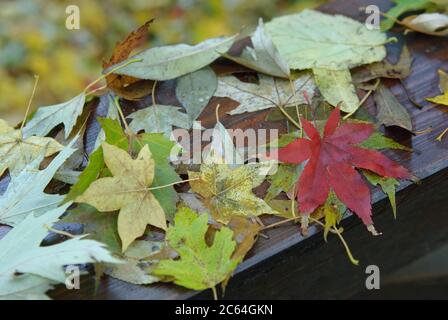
<point x="144" y="223"/>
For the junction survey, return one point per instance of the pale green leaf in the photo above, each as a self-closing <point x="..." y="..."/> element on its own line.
<point x="194" y="90"/>
<point x="25" y="193"/>
<point x="27" y="270"/>
<point x="169" y="62"/>
<point x="337" y="88"/>
<point x="159" y="119"/>
<point x="268" y="93"/>
<point x="264" y="56"/>
<point x="46" y="118"/>
<point x="312" y="39"/>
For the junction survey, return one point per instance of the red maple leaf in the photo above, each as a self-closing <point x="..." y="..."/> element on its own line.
<point x="332" y="162"/>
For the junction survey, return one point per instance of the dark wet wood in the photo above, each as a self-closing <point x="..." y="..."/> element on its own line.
<point x="288" y="265"/>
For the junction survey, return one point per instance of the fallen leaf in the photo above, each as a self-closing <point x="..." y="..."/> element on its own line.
<point x="200" y="266"/>
<point x="443" y="85"/>
<point x="401" y="7"/>
<point x="138" y="265"/>
<point x="378" y="141"/>
<point x="194" y="90"/>
<point x="100" y="226"/>
<point x="170" y="62"/>
<point x="46" y="118"/>
<point x="28" y="270"/>
<point x="332" y="162"/>
<point x="385" y="69"/>
<point x="337" y="88"/>
<point x="264" y="56"/>
<point x="388" y="186"/>
<point x="312" y="39"/>
<point x="25" y="193"/>
<point x="268" y="93"/>
<point x="127" y="87"/>
<point x="390" y="111"/>
<point x="159" y="118"/>
<point x="227" y="192"/>
<point x="128" y="191"/>
<point x="283" y="180"/>
<point x="435" y="24"/>
<point x="16" y="152"/>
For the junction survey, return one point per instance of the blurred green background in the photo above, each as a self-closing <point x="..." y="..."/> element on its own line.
<point x="34" y="40"/>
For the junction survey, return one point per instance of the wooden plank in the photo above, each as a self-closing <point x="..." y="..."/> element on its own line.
<point x="288" y="265"/>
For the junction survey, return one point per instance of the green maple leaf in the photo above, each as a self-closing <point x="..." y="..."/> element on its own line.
<point x="200" y="266"/>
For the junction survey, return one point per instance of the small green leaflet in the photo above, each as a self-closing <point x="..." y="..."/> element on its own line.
<point x="159" y="118"/>
<point x="283" y="180"/>
<point x="200" y="266"/>
<point x="312" y="39"/>
<point x="25" y="193"/>
<point x="28" y="270"/>
<point x="169" y="62"/>
<point x="194" y="90"/>
<point x="388" y="186"/>
<point x="46" y="118"/>
<point x="378" y="141"/>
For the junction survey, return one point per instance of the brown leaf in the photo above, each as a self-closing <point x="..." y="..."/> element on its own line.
<point x="128" y="87"/>
<point x="385" y="69"/>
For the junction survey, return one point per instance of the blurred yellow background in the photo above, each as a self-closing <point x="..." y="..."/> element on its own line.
<point x="34" y="40"/>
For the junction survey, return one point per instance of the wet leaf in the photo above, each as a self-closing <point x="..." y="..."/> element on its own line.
<point x="128" y="191"/>
<point x="159" y="119"/>
<point x="200" y="266"/>
<point x="268" y="93"/>
<point x="385" y="69"/>
<point x="312" y="39"/>
<point x="332" y="162"/>
<point x="337" y="88"/>
<point x="401" y="7"/>
<point x="194" y="90"/>
<point x="28" y="270"/>
<point x="443" y="85"/>
<point x="25" y="194"/>
<point x="170" y="62"/>
<point x="227" y="192"/>
<point x="388" y="186"/>
<point x="46" y="118"/>
<point x="263" y="57"/>
<point x="435" y="24"/>
<point x="16" y="152"/>
<point x="390" y="111"/>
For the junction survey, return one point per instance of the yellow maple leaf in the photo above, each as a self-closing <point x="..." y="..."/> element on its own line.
<point x="128" y="191"/>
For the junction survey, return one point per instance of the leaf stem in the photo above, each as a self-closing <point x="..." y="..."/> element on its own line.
<point x="36" y="80"/>
<point x="110" y="72"/>
<point x="440" y="137"/>
<point x="215" y="293"/>
<point x="294" y="122"/>
<point x="63" y="233"/>
<point x="366" y="96"/>
<point x="172" y="184"/>
<point x="120" y="112"/>
<point x="153" y="93"/>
